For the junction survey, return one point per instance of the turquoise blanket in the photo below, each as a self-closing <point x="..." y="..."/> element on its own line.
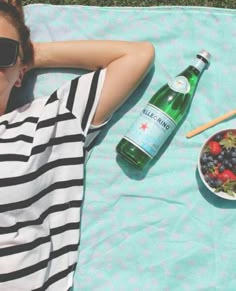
<point x="161" y="229"/>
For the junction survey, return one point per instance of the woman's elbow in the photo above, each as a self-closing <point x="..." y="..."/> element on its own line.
<point x="147" y="52"/>
<point x="149" y="48"/>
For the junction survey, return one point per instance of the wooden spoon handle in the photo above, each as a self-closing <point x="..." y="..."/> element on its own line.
<point x="210" y="124"/>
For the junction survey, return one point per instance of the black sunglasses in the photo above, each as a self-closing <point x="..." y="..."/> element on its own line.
<point x="9" y="52"/>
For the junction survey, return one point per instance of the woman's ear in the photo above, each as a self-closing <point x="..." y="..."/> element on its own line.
<point x="22" y="71"/>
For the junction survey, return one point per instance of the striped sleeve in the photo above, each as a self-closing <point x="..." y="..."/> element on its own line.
<point x="81" y="95"/>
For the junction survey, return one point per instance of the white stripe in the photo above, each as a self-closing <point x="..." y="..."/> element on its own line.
<point x="37" y="279"/>
<point x="97" y="97"/>
<point x="33" y="212"/>
<point x="26" y="259"/>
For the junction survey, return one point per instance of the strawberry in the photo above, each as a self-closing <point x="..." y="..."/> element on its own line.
<point x="229" y="135"/>
<point x="226" y="175"/>
<point x="214" y="172"/>
<point x="214" y="148"/>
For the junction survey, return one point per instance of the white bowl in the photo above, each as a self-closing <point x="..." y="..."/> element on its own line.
<point x="220" y="193"/>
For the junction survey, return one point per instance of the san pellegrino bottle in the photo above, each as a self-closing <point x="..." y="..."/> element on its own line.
<point x="162" y="114"/>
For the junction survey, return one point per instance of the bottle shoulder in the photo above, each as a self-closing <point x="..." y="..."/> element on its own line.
<point x="190" y="71"/>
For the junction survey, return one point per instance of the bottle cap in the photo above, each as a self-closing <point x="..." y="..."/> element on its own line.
<point x="204" y="54"/>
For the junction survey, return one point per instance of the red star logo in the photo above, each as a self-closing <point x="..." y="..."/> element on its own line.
<point x="144" y="126"/>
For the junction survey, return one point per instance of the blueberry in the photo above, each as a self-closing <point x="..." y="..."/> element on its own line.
<point x="221" y="168"/>
<point x="220" y="158"/>
<point x="234" y="153"/>
<point x="215" y="162"/>
<point x="228" y="153"/>
<point x="218" y="183"/>
<point x="210" y="164"/>
<point x="218" y="137"/>
<point x="230" y="166"/>
<point x="226" y="163"/>
<point x="204" y="169"/>
<point x="212" y="183"/>
<point x="207" y="177"/>
<point x="204" y="158"/>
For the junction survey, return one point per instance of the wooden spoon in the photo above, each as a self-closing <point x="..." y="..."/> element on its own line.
<point x="210" y="124"/>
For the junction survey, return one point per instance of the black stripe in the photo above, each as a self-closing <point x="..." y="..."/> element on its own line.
<point x="91" y="145"/>
<point x="19" y="123"/>
<point x="28" y="202"/>
<point x="43" y="123"/>
<point x="65" y="227"/>
<point x="41" y="148"/>
<point x="56" y="278"/>
<point x="24" y="247"/>
<point x="39" y="266"/>
<point x="52" y="121"/>
<point x="71" y="96"/>
<point x="12" y="181"/>
<point x="91" y="98"/>
<point x="13" y="158"/>
<point x="42" y="217"/>
<point x="39" y="241"/>
<point x="52" y="98"/>
<point x="57" y="141"/>
<point x="20" y="137"/>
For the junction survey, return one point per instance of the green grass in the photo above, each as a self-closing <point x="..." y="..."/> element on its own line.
<point x="209" y="3"/>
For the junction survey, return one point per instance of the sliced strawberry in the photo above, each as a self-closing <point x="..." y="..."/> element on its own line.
<point x="226" y="175"/>
<point x="214" y="148"/>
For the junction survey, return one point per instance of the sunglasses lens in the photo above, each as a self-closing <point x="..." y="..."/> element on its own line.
<point x="8" y="52"/>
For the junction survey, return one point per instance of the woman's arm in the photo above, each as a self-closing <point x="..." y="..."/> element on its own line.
<point x="127" y="64"/>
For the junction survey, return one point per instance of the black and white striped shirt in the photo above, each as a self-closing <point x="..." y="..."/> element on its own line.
<point x="42" y="155"/>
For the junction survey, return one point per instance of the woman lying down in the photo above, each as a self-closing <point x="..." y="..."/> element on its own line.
<point x="43" y="147"/>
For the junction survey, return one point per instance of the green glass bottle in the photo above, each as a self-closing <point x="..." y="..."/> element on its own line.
<point x="163" y="113"/>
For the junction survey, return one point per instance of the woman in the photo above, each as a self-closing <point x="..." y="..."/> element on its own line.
<point x="43" y="146"/>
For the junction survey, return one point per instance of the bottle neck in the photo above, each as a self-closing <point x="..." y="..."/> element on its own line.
<point x="200" y="64"/>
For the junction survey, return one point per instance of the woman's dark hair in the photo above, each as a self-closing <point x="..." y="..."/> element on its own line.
<point x="12" y="10"/>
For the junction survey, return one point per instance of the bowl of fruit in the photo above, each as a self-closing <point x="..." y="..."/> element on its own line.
<point x="217" y="164"/>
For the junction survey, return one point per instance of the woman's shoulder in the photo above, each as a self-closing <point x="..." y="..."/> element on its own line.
<point x="31" y="109"/>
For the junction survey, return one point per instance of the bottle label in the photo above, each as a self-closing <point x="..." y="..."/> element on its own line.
<point x="199" y="65"/>
<point x="150" y="130"/>
<point x="180" y="84"/>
